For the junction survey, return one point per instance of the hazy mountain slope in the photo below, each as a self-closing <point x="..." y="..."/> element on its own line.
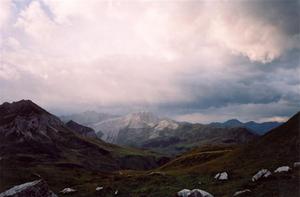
<point x="144" y="124"/>
<point x="258" y="128"/>
<point x="189" y="136"/>
<point x="87" y="118"/>
<point x="80" y="129"/>
<point x="33" y="140"/>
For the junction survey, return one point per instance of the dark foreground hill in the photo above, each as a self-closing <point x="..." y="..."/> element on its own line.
<point x="34" y="142"/>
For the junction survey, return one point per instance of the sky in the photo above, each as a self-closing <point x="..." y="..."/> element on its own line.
<point x="197" y="61"/>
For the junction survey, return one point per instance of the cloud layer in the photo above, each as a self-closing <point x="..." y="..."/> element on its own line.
<point x="180" y="58"/>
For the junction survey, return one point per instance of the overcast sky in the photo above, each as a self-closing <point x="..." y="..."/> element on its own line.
<point x="196" y="61"/>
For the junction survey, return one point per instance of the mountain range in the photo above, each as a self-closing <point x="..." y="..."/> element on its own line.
<point x="35" y="144"/>
<point x="258" y="128"/>
<point x="164" y="135"/>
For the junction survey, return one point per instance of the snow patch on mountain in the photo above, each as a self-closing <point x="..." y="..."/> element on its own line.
<point x="137" y="121"/>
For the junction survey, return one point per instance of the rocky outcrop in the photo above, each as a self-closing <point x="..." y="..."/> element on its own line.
<point x="38" y="188"/>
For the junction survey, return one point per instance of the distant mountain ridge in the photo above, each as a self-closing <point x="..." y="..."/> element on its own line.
<point x="87" y="118"/>
<point x="146" y="130"/>
<point x="138" y="121"/>
<point x="258" y="128"/>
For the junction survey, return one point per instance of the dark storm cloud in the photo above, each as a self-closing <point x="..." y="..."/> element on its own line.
<point x="172" y="57"/>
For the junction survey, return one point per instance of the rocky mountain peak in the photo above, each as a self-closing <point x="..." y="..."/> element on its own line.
<point x="9" y="111"/>
<point x="233" y="122"/>
<point x="24" y="120"/>
<point x="141" y="119"/>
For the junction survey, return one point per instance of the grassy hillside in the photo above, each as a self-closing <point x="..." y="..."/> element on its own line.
<point x="197" y="168"/>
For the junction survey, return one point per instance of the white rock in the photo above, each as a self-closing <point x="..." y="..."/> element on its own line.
<point x="194" y="192"/>
<point x="201" y="192"/>
<point x="37" y="188"/>
<point x="116" y="192"/>
<point x="67" y="190"/>
<point x="184" y="193"/>
<point x="282" y="169"/>
<point x="242" y="192"/>
<point x="99" y="188"/>
<point x="14" y="190"/>
<point x="222" y="176"/>
<point x="263" y="173"/>
<point x="157" y="173"/>
<point x="296" y="164"/>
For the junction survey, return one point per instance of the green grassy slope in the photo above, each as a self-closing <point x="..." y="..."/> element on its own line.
<point x="197" y="168"/>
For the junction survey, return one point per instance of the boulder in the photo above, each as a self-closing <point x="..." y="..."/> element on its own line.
<point x="242" y="192"/>
<point x="283" y="169"/>
<point x="68" y="190"/>
<point x="263" y="173"/>
<point x="116" y="192"/>
<point x="221" y="176"/>
<point x="184" y="193"/>
<point x="199" y="193"/>
<point x="193" y="193"/>
<point x="99" y="188"/>
<point x="296" y="165"/>
<point x="38" y="188"/>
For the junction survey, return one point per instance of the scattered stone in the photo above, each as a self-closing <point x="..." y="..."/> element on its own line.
<point x="199" y="193"/>
<point x="263" y="173"/>
<point x="99" y="188"/>
<point x="242" y="192"/>
<point x="222" y="176"/>
<point x="157" y="173"/>
<point x="36" y="188"/>
<point x="296" y="165"/>
<point x="68" y="190"/>
<point x="283" y="169"/>
<point x="193" y="193"/>
<point x="184" y="193"/>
